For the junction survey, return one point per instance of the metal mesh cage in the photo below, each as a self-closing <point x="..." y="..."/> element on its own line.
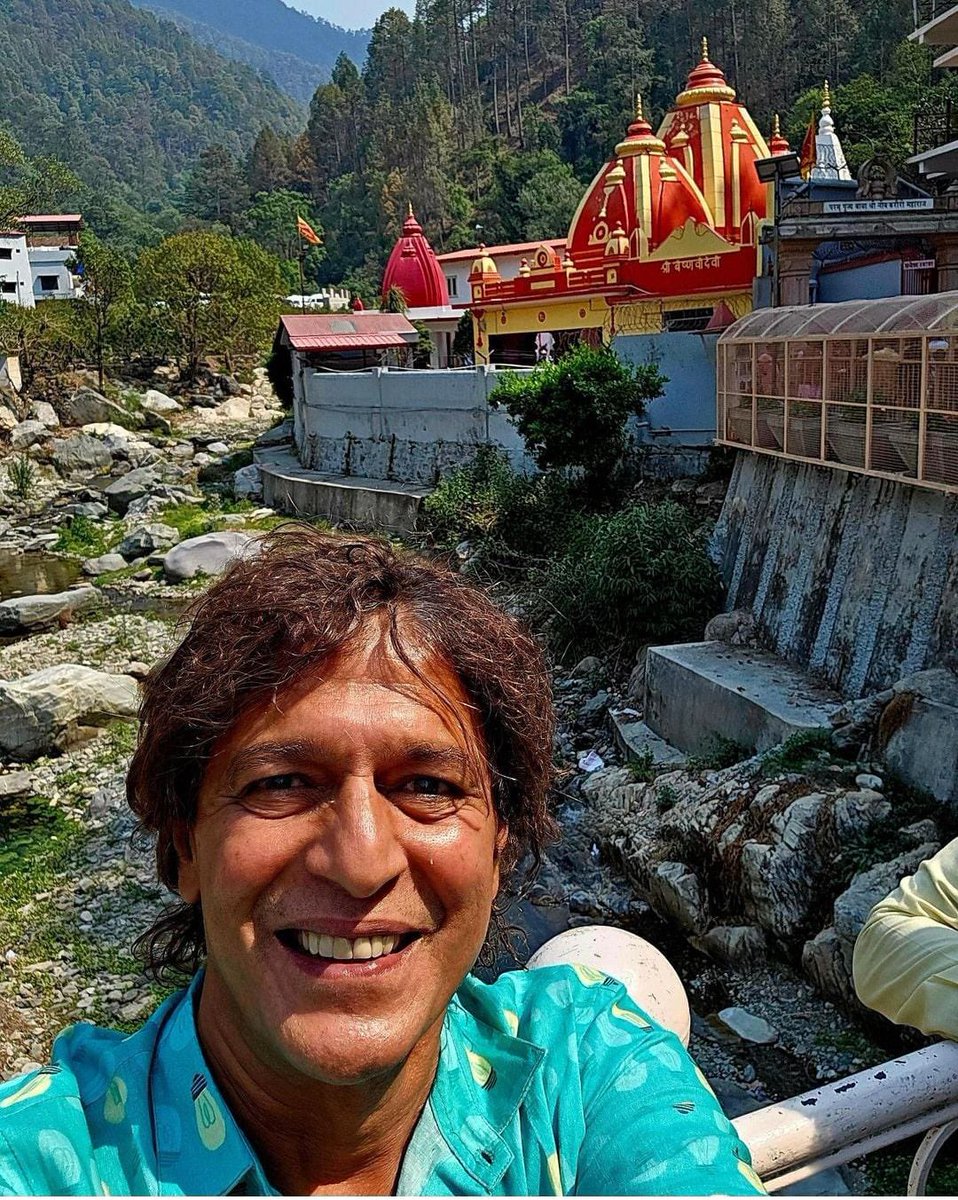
<point x="845" y="434"/>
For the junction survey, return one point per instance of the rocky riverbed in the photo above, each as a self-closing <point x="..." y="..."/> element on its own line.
<point x="128" y="505"/>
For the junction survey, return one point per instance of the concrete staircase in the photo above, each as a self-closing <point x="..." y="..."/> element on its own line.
<point x="700" y="692"/>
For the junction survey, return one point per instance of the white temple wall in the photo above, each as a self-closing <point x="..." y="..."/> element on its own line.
<point x="411" y="426"/>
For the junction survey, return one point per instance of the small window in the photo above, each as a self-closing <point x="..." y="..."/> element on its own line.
<point x="452" y="283"/>
<point x="687" y="320"/>
<point x="6" y="252"/>
<point x="49" y="283"/>
<point x="8" y="289"/>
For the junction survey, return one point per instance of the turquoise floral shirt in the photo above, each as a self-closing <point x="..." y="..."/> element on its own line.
<point x="549" y="1082"/>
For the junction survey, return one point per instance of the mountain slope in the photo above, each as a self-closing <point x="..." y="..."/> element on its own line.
<point x="271" y="27"/>
<point x="123" y="97"/>
<point x="295" y="76"/>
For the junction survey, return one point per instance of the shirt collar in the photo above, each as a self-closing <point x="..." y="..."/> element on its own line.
<point x="199" y="1146"/>
<point x="482" y="1079"/>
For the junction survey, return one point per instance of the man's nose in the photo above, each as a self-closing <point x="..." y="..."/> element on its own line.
<point x="357" y="845"/>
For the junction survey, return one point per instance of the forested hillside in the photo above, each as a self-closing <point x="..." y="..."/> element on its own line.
<point x="295" y="50"/>
<point x="127" y="100"/>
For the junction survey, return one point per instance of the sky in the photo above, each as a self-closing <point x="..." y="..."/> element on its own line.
<point x="350" y="14"/>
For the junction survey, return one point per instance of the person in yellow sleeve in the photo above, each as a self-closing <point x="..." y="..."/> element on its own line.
<point x="906" y="957"/>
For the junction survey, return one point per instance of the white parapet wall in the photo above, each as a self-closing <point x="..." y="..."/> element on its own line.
<point x="405" y="425"/>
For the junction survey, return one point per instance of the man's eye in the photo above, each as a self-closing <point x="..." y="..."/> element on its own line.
<point x="277" y="783"/>
<point x="428" y="785"/>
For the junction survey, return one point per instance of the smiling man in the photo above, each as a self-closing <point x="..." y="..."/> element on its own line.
<point x="342" y="762"/>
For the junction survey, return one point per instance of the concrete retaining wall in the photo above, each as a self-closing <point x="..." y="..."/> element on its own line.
<point x="684" y="415"/>
<point x="404" y="425"/>
<point x="850" y="577"/>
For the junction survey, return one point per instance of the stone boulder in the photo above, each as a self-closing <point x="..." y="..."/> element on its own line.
<point x="146" y="540"/>
<point x="918" y="733"/>
<point x="41" y="712"/>
<point x="738" y="945"/>
<point x="279" y="435"/>
<point x="781" y="881"/>
<point x="87" y="406"/>
<point x="136" y="483"/>
<point x="80" y="455"/>
<point x="45" y="413"/>
<point x="236" y="409"/>
<point x="27" y="434"/>
<point x="737" y="628"/>
<point x="676" y="894"/>
<point x="8" y="420"/>
<point x="248" y="483"/>
<point x="158" y="402"/>
<point x="103" y="564"/>
<point x="208" y="554"/>
<point x="868" y="887"/>
<point x="22" y="614"/>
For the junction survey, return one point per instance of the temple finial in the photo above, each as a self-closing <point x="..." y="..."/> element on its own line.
<point x="705" y="49"/>
<point x="410" y="208"/>
<point x="826" y="96"/>
<point x="776" y="128"/>
<point x="639" y="114"/>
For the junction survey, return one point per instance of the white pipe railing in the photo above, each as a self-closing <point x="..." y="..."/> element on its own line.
<point x="828" y="1126"/>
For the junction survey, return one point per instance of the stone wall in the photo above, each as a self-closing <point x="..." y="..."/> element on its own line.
<point x="404" y="425"/>
<point x="851" y="577"/>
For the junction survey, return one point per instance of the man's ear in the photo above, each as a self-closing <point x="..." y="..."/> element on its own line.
<point x="502" y="836"/>
<point x="187" y="876"/>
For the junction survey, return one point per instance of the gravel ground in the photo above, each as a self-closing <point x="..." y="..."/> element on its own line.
<point x="108" y="645"/>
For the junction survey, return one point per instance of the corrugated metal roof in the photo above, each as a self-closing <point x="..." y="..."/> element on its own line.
<point x="342" y="331"/>
<point x="51" y="219"/>
<point x="512" y="248"/>
<point x="352" y="341"/>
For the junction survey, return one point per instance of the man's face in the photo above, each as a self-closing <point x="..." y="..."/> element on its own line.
<point x="345" y="853"/>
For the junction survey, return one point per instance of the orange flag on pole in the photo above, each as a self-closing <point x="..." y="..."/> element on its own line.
<point x="808" y="156"/>
<point x="307" y="232"/>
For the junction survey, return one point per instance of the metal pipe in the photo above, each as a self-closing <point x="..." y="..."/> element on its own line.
<point x="860" y="1107"/>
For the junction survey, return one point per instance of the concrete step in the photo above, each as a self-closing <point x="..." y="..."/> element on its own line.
<point x="699" y="692"/>
<point x="340" y="499"/>
<point x="635" y="739"/>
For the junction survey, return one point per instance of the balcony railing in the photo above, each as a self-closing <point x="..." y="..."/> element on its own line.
<point x="934" y="126"/>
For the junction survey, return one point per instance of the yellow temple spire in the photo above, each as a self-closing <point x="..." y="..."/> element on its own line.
<point x="639" y="114"/>
<point x="826" y="96"/>
<point x="776" y="128"/>
<point x="410" y="208"/>
<point x="705" y="50"/>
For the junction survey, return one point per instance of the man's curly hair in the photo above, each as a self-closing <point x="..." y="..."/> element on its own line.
<point x="271" y="620"/>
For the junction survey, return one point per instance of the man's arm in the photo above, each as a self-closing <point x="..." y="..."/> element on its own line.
<point x="906" y="957"/>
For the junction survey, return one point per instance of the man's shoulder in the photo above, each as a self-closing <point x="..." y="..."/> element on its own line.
<point x="536" y="1004"/>
<point x="48" y="1117"/>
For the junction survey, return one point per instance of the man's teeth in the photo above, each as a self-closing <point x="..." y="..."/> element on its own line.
<point x="321" y="945"/>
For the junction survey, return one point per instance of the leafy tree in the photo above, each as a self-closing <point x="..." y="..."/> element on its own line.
<point x="271" y="223"/>
<point x="107" y="293"/>
<point x="267" y="168"/>
<point x="211" y="294"/>
<point x="29" y="184"/>
<point x="216" y="187"/>
<point x="573" y="413"/>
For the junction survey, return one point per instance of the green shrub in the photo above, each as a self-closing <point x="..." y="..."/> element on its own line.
<point x="501" y="512"/>
<point x="573" y="413"/>
<point x="22" y="474"/>
<point x="641" y="575"/>
<point x="85" y="538"/>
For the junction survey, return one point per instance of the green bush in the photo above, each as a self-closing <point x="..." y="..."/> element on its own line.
<point x="85" y="538"/>
<point x="573" y="413"/>
<point x="22" y="474"/>
<point x="502" y="513"/>
<point x="633" y="577"/>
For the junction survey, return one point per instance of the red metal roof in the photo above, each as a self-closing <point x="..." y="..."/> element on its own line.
<point x="51" y="219"/>
<point x="348" y="331"/>
<point x="512" y="248"/>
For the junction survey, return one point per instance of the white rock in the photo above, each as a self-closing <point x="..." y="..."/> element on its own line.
<point x="749" y="1027"/>
<point x="102" y="564"/>
<point x="209" y="554"/>
<point x="158" y="402"/>
<point x="248" y="483"/>
<point x="45" y="413"/>
<point x="107" y="430"/>
<point x="8" y="419"/>
<point x="234" y="409"/>
<point x="37" y="711"/>
<point x="21" y="613"/>
<point x="870" y="783"/>
<point x="217" y="448"/>
<point x="27" y="434"/>
<point x="202" y="459"/>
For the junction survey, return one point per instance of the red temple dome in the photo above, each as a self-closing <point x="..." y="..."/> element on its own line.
<point x="414" y="269"/>
<point x="637" y="200"/>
